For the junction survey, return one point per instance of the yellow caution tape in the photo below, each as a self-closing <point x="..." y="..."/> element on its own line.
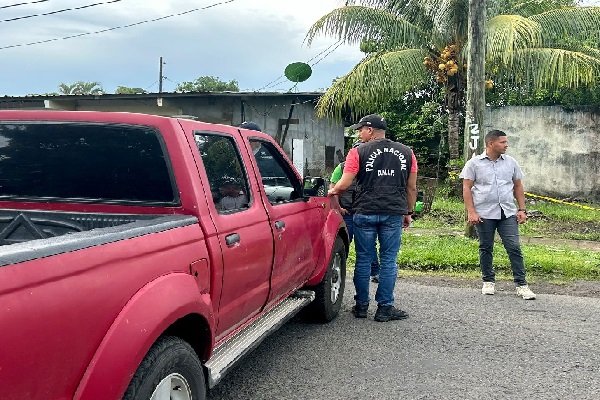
<point x="561" y="201"/>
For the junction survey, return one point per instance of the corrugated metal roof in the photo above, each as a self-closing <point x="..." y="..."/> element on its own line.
<point x="163" y="94"/>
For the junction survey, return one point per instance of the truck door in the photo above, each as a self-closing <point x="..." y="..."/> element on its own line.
<point x="296" y="223"/>
<point x="243" y="229"/>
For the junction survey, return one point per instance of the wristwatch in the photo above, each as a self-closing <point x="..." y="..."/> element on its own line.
<point x="522" y="209"/>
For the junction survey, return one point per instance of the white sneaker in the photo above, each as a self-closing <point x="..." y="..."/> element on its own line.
<point x="488" y="288"/>
<point x="525" y="293"/>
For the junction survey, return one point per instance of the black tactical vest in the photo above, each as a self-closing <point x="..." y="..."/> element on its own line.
<point x="382" y="176"/>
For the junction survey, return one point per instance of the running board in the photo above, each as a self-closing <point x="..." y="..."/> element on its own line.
<point x="236" y="347"/>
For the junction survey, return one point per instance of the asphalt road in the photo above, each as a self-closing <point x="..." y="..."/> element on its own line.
<point x="457" y="344"/>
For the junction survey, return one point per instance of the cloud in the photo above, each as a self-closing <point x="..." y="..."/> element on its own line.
<point x="250" y="41"/>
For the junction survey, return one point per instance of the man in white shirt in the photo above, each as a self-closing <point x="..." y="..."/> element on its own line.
<point x="491" y="183"/>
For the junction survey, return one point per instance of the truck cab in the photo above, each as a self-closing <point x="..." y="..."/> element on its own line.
<point x="174" y="245"/>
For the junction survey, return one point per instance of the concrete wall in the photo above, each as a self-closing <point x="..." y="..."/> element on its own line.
<point x="271" y="112"/>
<point x="558" y="149"/>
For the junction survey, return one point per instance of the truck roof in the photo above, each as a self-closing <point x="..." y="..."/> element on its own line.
<point x="100" y="116"/>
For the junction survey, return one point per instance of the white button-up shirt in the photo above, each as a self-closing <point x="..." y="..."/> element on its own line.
<point x="493" y="184"/>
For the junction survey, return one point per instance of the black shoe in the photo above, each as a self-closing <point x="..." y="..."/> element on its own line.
<point x="389" y="313"/>
<point x="360" y="310"/>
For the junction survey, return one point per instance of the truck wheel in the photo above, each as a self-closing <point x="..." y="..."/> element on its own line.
<point x="170" y="370"/>
<point x="329" y="293"/>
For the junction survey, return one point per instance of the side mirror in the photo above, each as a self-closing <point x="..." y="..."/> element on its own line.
<point x="313" y="187"/>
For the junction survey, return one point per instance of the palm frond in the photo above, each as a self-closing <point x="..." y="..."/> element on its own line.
<point x="549" y="68"/>
<point x="533" y="7"/>
<point x="572" y="22"/>
<point x="376" y="80"/>
<point x="354" y="24"/>
<point x="590" y="51"/>
<point x="413" y="11"/>
<point x="506" y="35"/>
<point x="450" y="19"/>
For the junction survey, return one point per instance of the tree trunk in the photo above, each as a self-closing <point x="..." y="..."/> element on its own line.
<point x="452" y="104"/>
<point x="475" y="105"/>
<point x="475" y="86"/>
<point x="455" y="97"/>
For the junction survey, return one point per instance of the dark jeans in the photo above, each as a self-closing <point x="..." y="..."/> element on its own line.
<point x="367" y="229"/>
<point x="508" y="229"/>
<point x="348" y="218"/>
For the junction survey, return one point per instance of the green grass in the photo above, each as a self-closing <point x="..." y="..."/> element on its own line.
<point x="446" y="253"/>
<point x="440" y="251"/>
<point x="552" y="220"/>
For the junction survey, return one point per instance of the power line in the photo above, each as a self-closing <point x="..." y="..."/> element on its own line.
<point x="59" y="11"/>
<point x="23" y="4"/>
<point x="154" y="84"/>
<point x="272" y="83"/>
<point x="117" y="27"/>
<point x="277" y="81"/>
<point x="331" y="51"/>
<point x="330" y="46"/>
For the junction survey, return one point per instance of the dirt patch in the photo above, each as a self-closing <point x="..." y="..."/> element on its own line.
<point x="544" y="227"/>
<point x="576" y="288"/>
<point x="573" y="229"/>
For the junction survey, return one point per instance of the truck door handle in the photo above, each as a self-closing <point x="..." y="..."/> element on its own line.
<point x="232" y="239"/>
<point x="279" y="225"/>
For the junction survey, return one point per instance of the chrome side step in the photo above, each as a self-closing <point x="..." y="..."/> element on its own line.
<point x="236" y="347"/>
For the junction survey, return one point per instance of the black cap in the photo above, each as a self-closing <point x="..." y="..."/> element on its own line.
<point x="372" y="120"/>
<point x="253" y="126"/>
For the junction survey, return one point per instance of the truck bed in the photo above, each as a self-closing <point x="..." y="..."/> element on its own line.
<point x="27" y="235"/>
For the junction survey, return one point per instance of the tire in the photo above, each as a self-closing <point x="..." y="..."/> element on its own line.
<point x="172" y="367"/>
<point x="330" y="292"/>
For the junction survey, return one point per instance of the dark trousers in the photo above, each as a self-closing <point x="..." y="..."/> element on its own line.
<point x="508" y="229"/>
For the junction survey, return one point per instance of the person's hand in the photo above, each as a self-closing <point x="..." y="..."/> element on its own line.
<point x="343" y="211"/>
<point x="332" y="192"/>
<point x="473" y="218"/>
<point x="521" y="217"/>
<point x="406" y="221"/>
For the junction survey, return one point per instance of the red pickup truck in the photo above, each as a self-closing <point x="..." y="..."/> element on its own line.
<point x="142" y="256"/>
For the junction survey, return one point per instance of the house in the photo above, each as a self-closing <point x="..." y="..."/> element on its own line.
<point x="315" y="145"/>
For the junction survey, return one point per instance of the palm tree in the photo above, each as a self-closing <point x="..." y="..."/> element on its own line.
<point x="534" y="44"/>
<point x="81" y="87"/>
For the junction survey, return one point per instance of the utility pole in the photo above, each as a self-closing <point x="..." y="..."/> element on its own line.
<point x="475" y="106"/>
<point x="475" y="80"/>
<point x="160" y="76"/>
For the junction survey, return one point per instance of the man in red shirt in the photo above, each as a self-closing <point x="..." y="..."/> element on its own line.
<point x="386" y="191"/>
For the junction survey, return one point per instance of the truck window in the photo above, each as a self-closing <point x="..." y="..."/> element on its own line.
<point x="280" y="182"/>
<point x="226" y="176"/>
<point x="88" y="162"/>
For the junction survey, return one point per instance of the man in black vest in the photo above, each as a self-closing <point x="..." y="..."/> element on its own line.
<point x="386" y="191"/>
<point x="346" y="199"/>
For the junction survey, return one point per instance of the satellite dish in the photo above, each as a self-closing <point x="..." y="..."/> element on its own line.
<point x="298" y="72"/>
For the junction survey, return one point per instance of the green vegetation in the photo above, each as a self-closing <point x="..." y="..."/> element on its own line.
<point x="544" y="47"/>
<point x="449" y="253"/>
<point x="208" y="84"/>
<point x="81" y="87"/>
<point x="130" y="90"/>
<point x="436" y="246"/>
<point x="547" y="219"/>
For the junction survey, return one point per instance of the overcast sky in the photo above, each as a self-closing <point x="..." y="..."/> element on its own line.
<point x="251" y="41"/>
